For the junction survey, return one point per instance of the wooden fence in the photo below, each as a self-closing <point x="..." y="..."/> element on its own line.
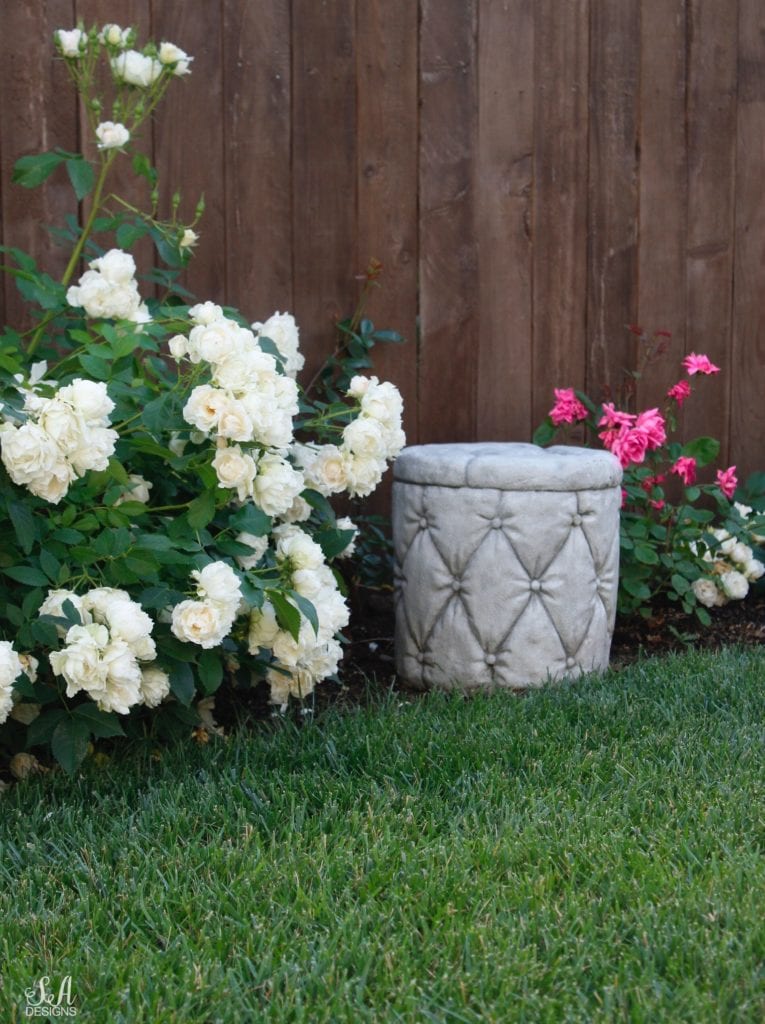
<point x="534" y="174"/>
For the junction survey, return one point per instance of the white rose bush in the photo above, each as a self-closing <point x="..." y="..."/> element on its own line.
<point x="166" y="478"/>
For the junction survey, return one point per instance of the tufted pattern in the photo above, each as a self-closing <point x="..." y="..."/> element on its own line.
<point x="499" y="587"/>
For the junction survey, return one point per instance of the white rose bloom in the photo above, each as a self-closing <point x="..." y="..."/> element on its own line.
<point x="89" y="398"/>
<point x="735" y="585"/>
<point x="329" y="470"/>
<point x="115" y="266"/>
<point x="155" y="686"/>
<point x="112" y="135"/>
<point x="62" y="424"/>
<point x="177" y="444"/>
<point x="169" y="53"/>
<point x="95" y="450"/>
<point x="80" y="662"/>
<point x="178" y="347"/>
<point x="204" y="407"/>
<point x="54" y="486"/>
<point x="136" y="69"/>
<point x="122" y="687"/>
<point x="301" y="550"/>
<point x="264" y="628"/>
<point x="753" y="569"/>
<point x="298" y="511"/>
<point x="244" y="369"/>
<point x="364" y="474"/>
<point x="218" y="582"/>
<point x="54" y="605"/>
<point x="215" y="341"/>
<point x="72" y="42"/>
<point x="383" y="402"/>
<point x="283" y="331"/>
<point x="10" y="670"/>
<point x="743" y="510"/>
<point x="258" y="545"/>
<point x="29" y="665"/>
<point x="201" y="622"/>
<point x="189" y="239"/>
<point x="277" y="485"/>
<point x="364" y="437"/>
<point x="114" y="36"/>
<point x="235" y="469"/>
<point x="28" y="453"/>
<point x="205" y="313"/>
<point x="741" y="553"/>
<point x="359" y="386"/>
<point x="233" y="421"/>
<point x="137" y="490"/>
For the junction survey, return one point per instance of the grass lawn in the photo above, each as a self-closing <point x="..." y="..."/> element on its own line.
<point x="592" y="852"/>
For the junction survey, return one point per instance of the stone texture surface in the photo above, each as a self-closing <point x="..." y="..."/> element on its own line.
<point x="507" y="561"/>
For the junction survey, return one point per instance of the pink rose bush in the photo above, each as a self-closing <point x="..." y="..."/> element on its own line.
<point x="669" y="547"/>
<point x="166" y="478"/>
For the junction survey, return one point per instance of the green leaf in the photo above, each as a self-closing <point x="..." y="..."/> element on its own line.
<point x="646" y="555"/>
<point x="23" y="525"/>
<point x="159" y="597"/>
<point x="210" y="667"/>
<point x="287" y="614"/>
<point x="703" y="449"/>
<point x="201" y="510"/>
<point x="544" y="433"/>
<point x="308" y="610"/>
<point x="95" y="367"/>
<point x="182" y="682"/>
<point x="81" y="175"/>
<point x="101" y="723"/>
<point x="50" y="565"/>
<point x="69" y="743"/>
<point x="703" y="616"/>
<point x="27" y="574"/>
<point x="41" y="729"/>
<point x="680" y="583"/>
<point x="128" y="234"/>
<point x="31" y="171"/>
<point x="635" y="587"/>
<point x="251" y="519"/>
<point x="332" y="542"/>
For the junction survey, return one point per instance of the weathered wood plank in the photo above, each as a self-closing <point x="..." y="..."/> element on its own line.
<point x="712" y="72"/>
<point x="613" y="192"/>
<point x="448" y="253"/>
<point x="387" y="182"/>
<point x="748" y="348"/>
<point x="323" y="170"/>
<point x="559" y="217"/>
<point x="663" y="191"/>
<point x="503" y="221"/>
<point x="257" y="97"/>
<point x="38" y="112"/>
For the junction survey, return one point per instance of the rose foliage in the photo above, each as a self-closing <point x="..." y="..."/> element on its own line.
<point x="698" y="550"/>
<point x="165" y="480"/>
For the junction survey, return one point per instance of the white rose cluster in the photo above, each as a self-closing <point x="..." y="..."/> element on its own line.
<point x="732" y="566"/>
<point x="208" y="621"/>
<point x="373" y="438"/>
<point x="104" y="654"/>
<point x="134" y="68"/>
<point x="248" y="401"/>
<point x="299" y="664"/>
<point x="109" y="290"/>
<point x="112" y="135"/>
<point x="64" y="437"/>
<point x="10" y="670"/>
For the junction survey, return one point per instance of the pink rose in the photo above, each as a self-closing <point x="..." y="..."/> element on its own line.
<point x="651" y="422"/>
<point x="613" y="421"/>
<point x="685" y="467"/>
<point x="628" y="445"/>
<point x="567" y="408"/>
<point x="727" y="481"/>
<point x="680" y="392"/>
<point x="699" y="364"/>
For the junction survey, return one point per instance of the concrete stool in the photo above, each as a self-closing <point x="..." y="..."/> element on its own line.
<point x="507" y="561"/>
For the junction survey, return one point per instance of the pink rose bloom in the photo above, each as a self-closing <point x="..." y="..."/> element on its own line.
<point x="658" y="504"/>
<point x="680" y="392"/>
<point x="685" y="467"/>
<point x="699" y="364"/>
<point x="613" y="421"/>
<point x="651" y="422"/>
<point x="567" y="408"/>
<point x="628" y="445"/>
<point x="727" y="481"/>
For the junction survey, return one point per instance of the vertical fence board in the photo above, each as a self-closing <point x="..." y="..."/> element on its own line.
<point x="748" y="350"/>
<point x="559" y="231"/>
<point x="38" y="112"/>
<point x="387" y="182"/>
<point x="257" y="89"/>
<point x="712" y="50"/>
<point x="503" y="222"/>
<point x="663" y="190"/>
<point x="190" y="138"/>
<point x="613" y="193"/>
<point x="323" y="170"/>
<point x="448" y="258"/>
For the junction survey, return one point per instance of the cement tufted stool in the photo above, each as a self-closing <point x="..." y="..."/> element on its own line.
<point x="507" y="560"/>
